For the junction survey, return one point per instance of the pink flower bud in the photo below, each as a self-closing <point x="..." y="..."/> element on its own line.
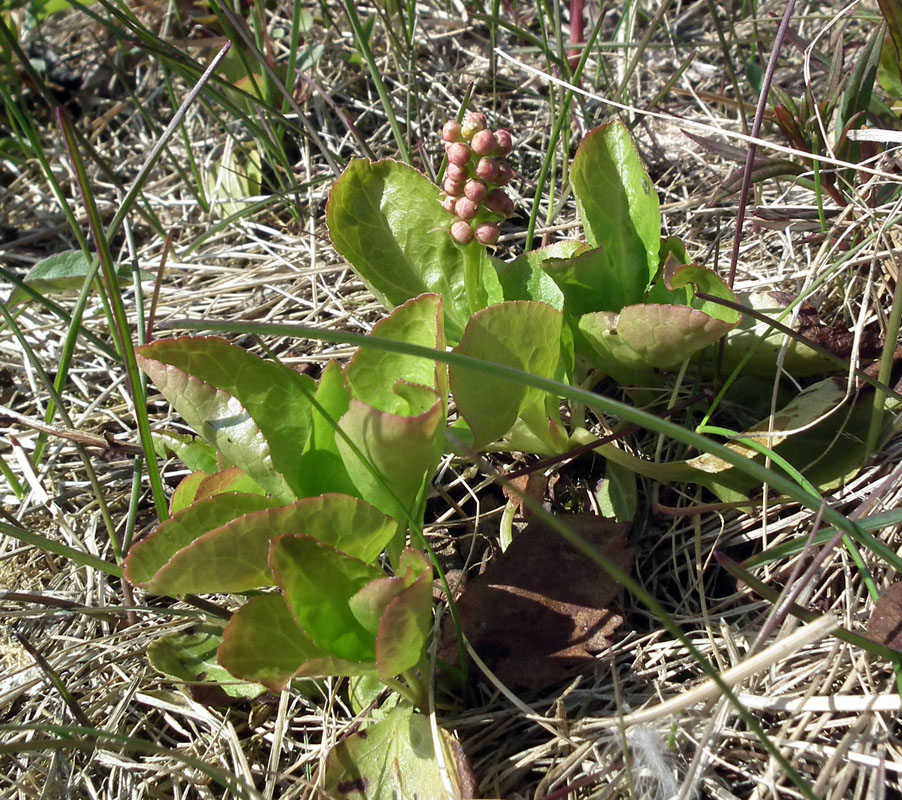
<point x="499" y="203"/>
<point x="475" y="190"/>
<point x="473" y="122"/>
<point x="503" y="142"/>
<point x="461" y="232"/>
<point x="465" y="208"/>
<point x="487" y="169"/>
<point x="487" y="233"/>
<point x="448" y="204"/>
<point x="451" y="131"/>
<point x="456" y="172"/>
<point x="459" y="153"/>
<point x="483" y="143"/>
<point x="505" y="173"/>
<point x="453" y="188"/>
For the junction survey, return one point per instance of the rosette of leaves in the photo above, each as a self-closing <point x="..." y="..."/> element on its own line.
<point x="312" y="483"/>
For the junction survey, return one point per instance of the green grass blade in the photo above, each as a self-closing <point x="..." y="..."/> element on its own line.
<point x="121" y="328"/>
<point x="46" y="545"/>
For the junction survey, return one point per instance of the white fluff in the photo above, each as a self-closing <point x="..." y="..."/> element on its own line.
<point x="652" y="769"/>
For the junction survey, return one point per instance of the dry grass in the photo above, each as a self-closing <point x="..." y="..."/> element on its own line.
<point x="815" y="702"/>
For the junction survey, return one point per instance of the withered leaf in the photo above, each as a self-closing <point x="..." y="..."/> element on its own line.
<point x="885" y="624"/>
<point x="835" y="338"/>
<point x="540" y="610"/>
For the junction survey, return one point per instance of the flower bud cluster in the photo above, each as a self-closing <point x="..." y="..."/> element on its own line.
<point x="476" y="171"/>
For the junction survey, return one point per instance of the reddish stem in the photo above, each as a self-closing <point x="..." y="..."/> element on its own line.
<point x="577" y="32"/>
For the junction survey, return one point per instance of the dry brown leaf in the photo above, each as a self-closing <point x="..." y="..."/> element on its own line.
<point x="540" y="610"/>
<point x="885" y="624"/>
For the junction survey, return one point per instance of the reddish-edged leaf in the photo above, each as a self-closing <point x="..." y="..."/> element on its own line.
<point x="318" y="582"/>
<point x="263" y="643"/>
<point x="230" y="479"/>
<point x="401" y="450"/>
<point x="235" y="556"/>
<point x="152" y="553"/>
<point x="520" y="334"/>
<point x="648" y="336"/>
<point x="255" y="412"/>
<point x="403" y="628"/>
<point x="395" y="759"/>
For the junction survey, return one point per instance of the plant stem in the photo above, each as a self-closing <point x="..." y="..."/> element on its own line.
<point x="476" y="298"/>
<point x="409" y="693"/>
<point x="887" y="359"/>
<point x="418" y="688"/>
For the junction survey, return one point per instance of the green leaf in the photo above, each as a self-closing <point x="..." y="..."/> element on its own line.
<point x="263" y="643"/>
<point x="834" y="450"/>
<point x="525" y="279"/>
<point x="680" y="282"/>
<point x="731" y="484"/>
<point x="332" y="396"/>
<point x="321" y="469"/>
<point x="255" y="412"/>
<point x="393" y="759"/>
<point x="673" y="250"/>
<point x="199" y="485"/>
<point x="385" y="218"/>
<point x="629" y="344"/>
<point x="892" y="15"/>
<point x="235" y="556"/>
<point x="754" y="74"/>
<point x="707" y="281"/>
<point x="190" y="656"/>
<point x="230" y="479"/>
<point x="588" y="282"/>
<point x="238" y="174"/>
<point x="61" y="272"/>
<point x="618" y="206"/>
<point x="617" y="496"/>
<point x="856" y="95"/>
<point x="403" y="450"/>
<point x="398" y="611"/>
<point x="369" y="602"/>
<point x="376" y="377"/>
<point x="404" y="627"/>
<point x="365" y="690"/>
<point x="185" y="493"/>
<point x="889" y="70"/>
<point x="318" y="582"/>
<point x="817" y="432"/>
<point x="149" y="555"/>
<point x="192" y="451"/>
<point x="520" y="334"/>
